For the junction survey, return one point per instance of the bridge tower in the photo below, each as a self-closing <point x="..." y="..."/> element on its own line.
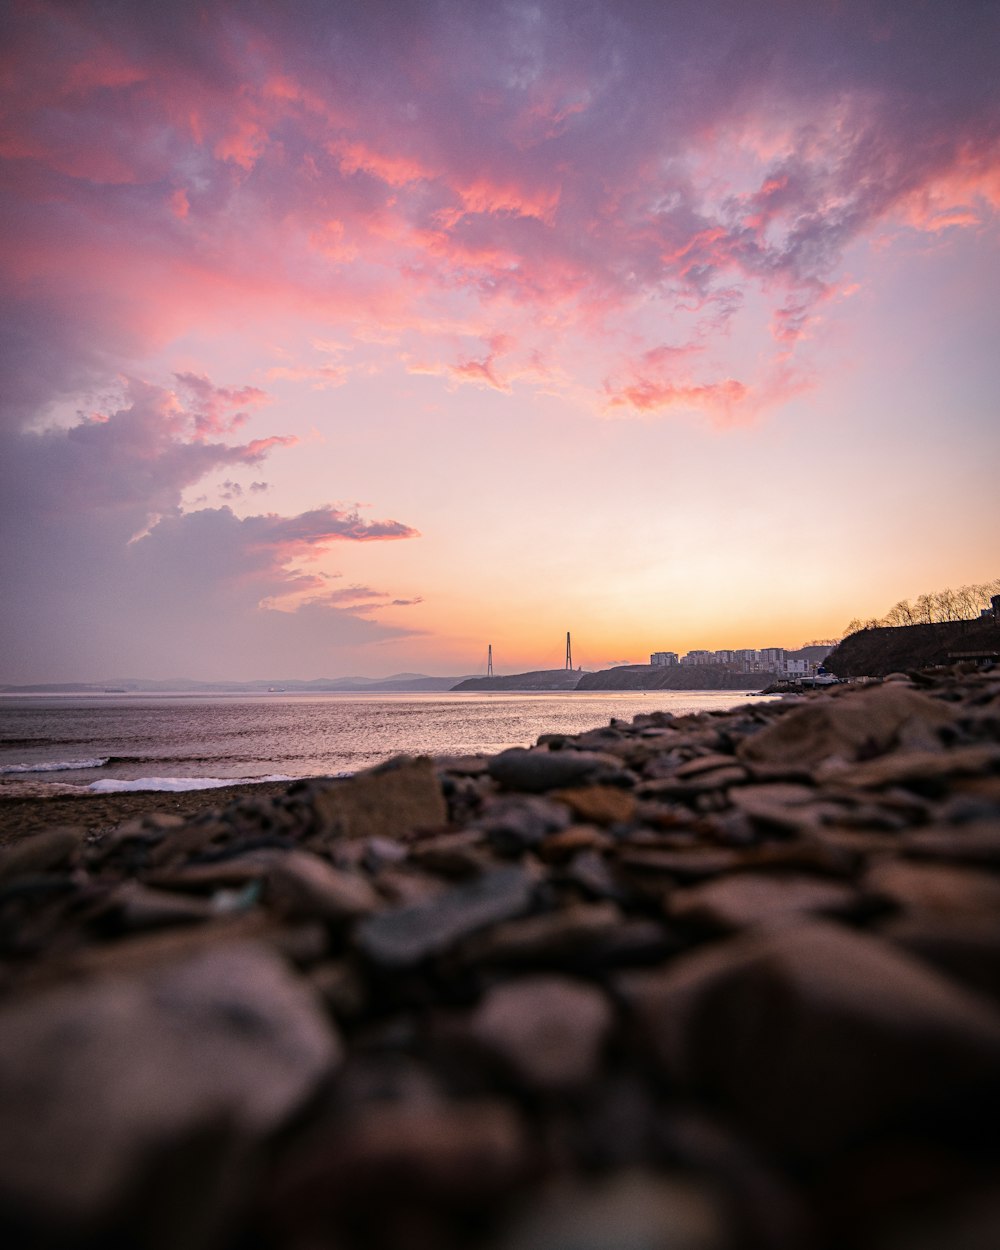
<point x="569" y="653"/>
<point x="489" y="661"/>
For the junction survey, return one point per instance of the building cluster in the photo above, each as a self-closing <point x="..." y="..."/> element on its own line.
<point x="767" y="660"/>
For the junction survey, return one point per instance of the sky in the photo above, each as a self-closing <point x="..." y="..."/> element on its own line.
<point x="342" y="338"/>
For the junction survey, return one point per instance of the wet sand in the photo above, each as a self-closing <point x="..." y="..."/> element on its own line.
<point x="98" y="813"/>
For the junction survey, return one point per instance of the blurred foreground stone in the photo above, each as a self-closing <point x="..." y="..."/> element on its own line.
<point x="699" y="983"/>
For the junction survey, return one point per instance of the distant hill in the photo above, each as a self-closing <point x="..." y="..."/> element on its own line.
<point x="401" y="683"/>
<point x="412" y="684"/>
<point x="901" y="648"/>
<point x="673" y="677"/>
<point x="542" y="679"/>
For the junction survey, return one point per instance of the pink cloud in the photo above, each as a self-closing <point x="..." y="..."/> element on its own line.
<point x="533" y="173"/>
<point x="721" y="400"/>
<point x="218" y="409"/>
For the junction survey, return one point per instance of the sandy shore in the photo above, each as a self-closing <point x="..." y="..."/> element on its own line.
<point x="99" y="813"/>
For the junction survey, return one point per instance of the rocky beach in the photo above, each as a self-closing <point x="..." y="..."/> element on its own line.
<point x="708" y="982"/>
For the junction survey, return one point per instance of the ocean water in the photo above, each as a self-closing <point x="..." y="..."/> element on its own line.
<point x="103" y="743"/>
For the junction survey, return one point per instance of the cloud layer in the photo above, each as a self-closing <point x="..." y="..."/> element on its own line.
<point x="105" y="572"/>
<point x="541" y="173"/>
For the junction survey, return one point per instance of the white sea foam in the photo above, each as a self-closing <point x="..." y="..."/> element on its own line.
<point x="117" y="786"/>
<point x="57" y="766"/>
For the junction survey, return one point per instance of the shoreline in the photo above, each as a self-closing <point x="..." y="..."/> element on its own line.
<point x="98" y="814"/>
<point x="32" y="800"/>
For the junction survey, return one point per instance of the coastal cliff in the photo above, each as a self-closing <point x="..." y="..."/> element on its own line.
<point x="625" y="677"/>
<point x="902" y="648"/>
<point x="673" y="677"/>
<point x="541" y="679"/>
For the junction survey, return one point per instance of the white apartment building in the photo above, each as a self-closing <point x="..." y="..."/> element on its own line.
<point x="741" y="660"/>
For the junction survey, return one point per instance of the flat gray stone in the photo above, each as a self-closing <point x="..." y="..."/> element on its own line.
<point x="405" y="936"/>
<point x="537" y="771"/>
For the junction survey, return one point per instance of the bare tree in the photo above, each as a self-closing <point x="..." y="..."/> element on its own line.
<point x="901" y="614"/>
<point x="964" y="604"/>
<point x="948" y="607"/>
<point x="970" y="599"/>
<point x="924" y="609"/>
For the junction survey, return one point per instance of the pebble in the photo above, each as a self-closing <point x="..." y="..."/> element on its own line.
<point x="540" y="770"/>
<point x="738" y="902"/>
<point x="550" y="936"/>
<point x="600" y="805"/>
<point x="301" y="884"/>
<point x="39" y="853"/>
<point x="548" y="1030"/>
<point x="636" y="1210"/>
<point x="942" y="889"/>
<point x="514" y="823"/>
<point x="106" y="1084"/>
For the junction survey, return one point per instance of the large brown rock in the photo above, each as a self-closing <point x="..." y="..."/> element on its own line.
<point x="814" y="1035"/>
<point x="106" y="1084"/>
<point x="395" y="798"/>
<point x="848" y="728"/>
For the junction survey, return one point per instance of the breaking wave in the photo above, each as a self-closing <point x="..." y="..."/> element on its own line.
<point x="57" y="766"/>
<point x="116" y="786"/>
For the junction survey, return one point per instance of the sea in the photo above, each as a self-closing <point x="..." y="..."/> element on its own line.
<point x="104" y="743"/>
